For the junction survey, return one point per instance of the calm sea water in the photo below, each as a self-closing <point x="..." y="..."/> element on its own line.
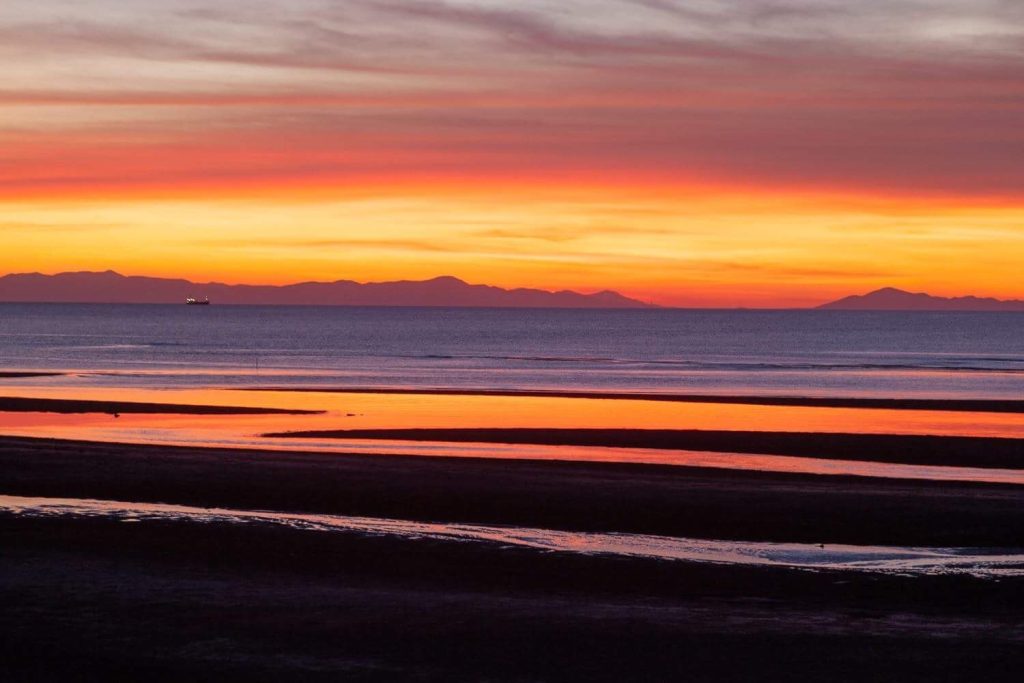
<point x="822" y="353"/>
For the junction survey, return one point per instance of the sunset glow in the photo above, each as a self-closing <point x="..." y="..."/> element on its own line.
<point x="704" y="153"/>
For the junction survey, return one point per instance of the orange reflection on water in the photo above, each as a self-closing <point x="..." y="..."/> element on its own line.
<point x="407" y="411"/>
<point x="243" y="432"/>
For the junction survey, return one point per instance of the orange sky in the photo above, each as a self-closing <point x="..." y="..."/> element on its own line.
<point x="702" y="153"/>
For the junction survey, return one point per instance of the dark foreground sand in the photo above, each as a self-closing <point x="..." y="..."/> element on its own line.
<point x="93" y="599"/>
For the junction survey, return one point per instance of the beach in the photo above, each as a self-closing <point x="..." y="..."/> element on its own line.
<point x="173" y="515"/>
<point x="93" y="597"/>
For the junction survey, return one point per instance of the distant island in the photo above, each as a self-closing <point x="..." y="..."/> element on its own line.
<point x="892" y="299"/>
<point x="112" y="287"/>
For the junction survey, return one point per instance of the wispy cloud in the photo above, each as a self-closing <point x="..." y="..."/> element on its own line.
<point x="903" y="95"/>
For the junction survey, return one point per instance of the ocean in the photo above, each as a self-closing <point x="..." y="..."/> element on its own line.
<point x="755" y="352"/>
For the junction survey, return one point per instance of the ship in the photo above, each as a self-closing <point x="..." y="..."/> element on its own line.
<point x="192" y="301"/>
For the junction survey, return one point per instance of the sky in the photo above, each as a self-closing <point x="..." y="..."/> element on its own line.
<point x="687" y="152"/>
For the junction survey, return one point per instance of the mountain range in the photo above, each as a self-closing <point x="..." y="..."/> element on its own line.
<point x="892" y="299"/>
<point x="112" y="287"/>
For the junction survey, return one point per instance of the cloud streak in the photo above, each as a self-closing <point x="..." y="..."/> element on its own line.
<point x="912" y="96"/>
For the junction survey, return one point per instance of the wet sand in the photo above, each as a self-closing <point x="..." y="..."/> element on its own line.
<point x="583" y="496"/>
<point x="164" y="600"/>
<point x="948" y="451"/>
<point x="939" y="404"/>
<point x="987" y="563"/>
<point x="67" y="406"/>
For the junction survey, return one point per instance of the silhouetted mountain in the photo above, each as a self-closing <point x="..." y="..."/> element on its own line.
<point x="111" y="287"/>
<point x="892" y="299"/>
